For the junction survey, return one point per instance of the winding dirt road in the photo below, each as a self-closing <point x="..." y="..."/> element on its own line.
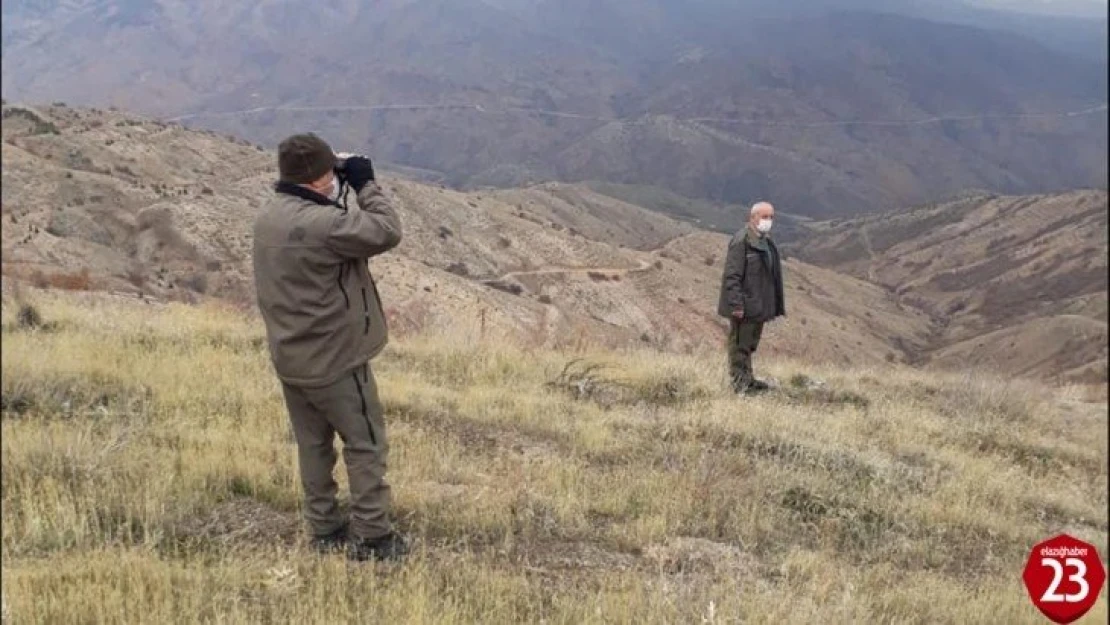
<point x="622" y="271"/>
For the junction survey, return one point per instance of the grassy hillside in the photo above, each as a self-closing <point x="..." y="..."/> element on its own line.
<point x="149" y="476"/>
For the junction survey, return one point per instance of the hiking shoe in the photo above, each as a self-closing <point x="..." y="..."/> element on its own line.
<point x="389" y="547"/>
<point x="752" y="388"/>
<point x="330" y="543"/>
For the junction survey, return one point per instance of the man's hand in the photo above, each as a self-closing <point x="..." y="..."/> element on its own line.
<point x="738" y="313"/>
<point x="358" y="170"/>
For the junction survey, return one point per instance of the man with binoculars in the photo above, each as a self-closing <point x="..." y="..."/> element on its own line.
<point x="324" y="323"/>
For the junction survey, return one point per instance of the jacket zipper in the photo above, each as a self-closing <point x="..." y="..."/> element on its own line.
<point x="339" y="281"/>
<point x="365" y="311"/>
<point x="362" y="398"/>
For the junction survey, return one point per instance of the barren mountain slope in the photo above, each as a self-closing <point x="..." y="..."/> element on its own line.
<point x="1020" y="282"/>
<point x="145" y="206"/>
<point x="1010" y="284"/>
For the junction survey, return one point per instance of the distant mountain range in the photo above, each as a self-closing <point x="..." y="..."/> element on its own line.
<point x="828" y="107"/>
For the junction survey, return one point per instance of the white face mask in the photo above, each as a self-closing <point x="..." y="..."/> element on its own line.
<point x="333" y="195"/>
<point x="764" y="226"/>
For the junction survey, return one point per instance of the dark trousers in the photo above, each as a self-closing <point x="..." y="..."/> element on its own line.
<point x="350" y="408"/>
<point x="743" y="339"/>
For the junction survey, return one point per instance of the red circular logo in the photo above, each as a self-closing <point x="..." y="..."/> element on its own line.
<point x="1064" y="577"/>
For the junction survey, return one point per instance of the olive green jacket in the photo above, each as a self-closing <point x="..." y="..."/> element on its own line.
<point x="752" y="279"/>
<point x="321" y="307"/>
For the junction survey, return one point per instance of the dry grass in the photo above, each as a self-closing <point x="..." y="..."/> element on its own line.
<point x="149" y="476"/>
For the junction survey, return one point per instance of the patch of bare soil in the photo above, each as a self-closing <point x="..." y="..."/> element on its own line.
<point x="241" y="524"/>
<point x="478" y="437"/>
<point x="560" y="556"/>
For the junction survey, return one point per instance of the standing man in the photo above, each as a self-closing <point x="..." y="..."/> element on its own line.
<point x="324" y="323"/>
<point x="751" y="294"/>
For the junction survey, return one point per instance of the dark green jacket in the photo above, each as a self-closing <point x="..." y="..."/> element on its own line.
<point x="752" y="279"/>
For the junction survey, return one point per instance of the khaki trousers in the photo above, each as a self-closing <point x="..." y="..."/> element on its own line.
<point x="350" y="408"/>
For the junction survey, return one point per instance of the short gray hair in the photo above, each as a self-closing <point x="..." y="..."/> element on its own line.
<point x="759" y="205"/>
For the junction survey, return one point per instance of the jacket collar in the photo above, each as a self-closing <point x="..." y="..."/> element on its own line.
<point x="297" y="190"/>
<point x="756" y="241"/>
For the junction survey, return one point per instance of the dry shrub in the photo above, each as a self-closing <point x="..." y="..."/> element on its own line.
<point x="197" y="282"/>
<point x="136" y="275"/>
<point x="412" y="319"/>
<point x="28" y="317"/>
<point x="509" y="287"/>
<point x="66" y="281"/>
<point x="595" y="382"/>
<point x="159" y="220"/>
<point x="982" y="396"/>
<point x="574" y="340"/>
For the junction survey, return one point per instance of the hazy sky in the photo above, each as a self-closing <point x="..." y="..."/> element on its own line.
<point x="1072" y="7"/>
